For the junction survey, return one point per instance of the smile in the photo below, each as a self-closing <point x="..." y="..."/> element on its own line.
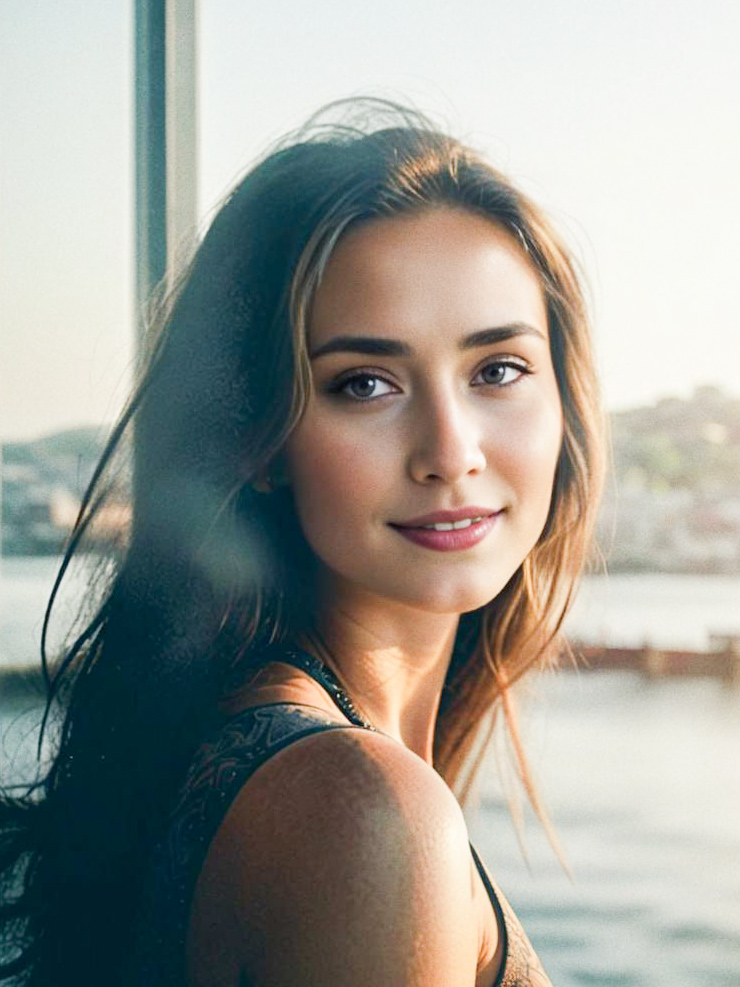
<point x="449" y="536"/>
<point x="452" y="525"/>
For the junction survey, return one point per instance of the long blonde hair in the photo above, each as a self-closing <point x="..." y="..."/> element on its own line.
<point x="410" y="168"/>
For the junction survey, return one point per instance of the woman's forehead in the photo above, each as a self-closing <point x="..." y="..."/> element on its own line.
<point x="443" y="269"/>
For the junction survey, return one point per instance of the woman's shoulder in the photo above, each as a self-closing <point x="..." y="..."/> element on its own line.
<point x="351" y="852"/>
<point x="354" y="772"/>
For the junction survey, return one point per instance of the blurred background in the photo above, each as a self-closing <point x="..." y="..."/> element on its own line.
<point x="621" y="119"/>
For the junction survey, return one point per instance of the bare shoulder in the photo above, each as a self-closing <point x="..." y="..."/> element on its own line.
<point x="344" y="860"/>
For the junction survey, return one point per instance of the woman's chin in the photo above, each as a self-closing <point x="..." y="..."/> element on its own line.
<point x="427" y="593"/>
<point x="449" y="599"/>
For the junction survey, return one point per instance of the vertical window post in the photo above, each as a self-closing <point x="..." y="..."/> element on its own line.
<point x="166" y="143"/>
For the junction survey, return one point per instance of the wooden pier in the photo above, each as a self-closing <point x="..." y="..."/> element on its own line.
<point x="721" y="661"/>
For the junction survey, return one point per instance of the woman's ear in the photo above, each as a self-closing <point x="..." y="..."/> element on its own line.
<point x="279" y="470"/>
<point x="262" y="483"/>
<point x="272" y="476"/>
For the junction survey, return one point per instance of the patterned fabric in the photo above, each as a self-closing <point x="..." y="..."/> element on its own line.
<point x="220" y="770"/>
<point x="521" y="966"/>
<point x="222" y="767"/>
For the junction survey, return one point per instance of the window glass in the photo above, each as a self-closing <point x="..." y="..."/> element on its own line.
<point x="66" y="203"/>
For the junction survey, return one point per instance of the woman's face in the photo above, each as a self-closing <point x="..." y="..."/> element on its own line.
<point x="435" y="404"/>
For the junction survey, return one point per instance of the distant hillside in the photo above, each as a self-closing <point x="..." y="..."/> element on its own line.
<point x="66" y="459"/>
<point x="42" y="484"/>
<point x="85" y="441"/>
<point x="673" y="502"/>
<point x="691" y="445"/>
<point x="71" y="440"/>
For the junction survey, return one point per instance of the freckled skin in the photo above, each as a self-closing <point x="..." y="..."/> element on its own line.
<point x="433" y="433"/>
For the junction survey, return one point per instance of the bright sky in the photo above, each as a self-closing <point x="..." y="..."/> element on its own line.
<point x="620" y="117"/>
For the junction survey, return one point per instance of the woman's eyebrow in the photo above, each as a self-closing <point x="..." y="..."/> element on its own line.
<point x="383" y="346"/>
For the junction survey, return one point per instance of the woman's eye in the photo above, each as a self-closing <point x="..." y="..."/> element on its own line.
<point x="501" y="372"/>
<point x="363" y="387"/>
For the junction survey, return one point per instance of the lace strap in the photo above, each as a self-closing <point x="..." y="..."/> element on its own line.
<point x="322" y="674"/>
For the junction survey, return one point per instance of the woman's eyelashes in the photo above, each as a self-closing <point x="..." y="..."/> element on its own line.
<point x="502" y="372"/>
<point x="362" y="386"/>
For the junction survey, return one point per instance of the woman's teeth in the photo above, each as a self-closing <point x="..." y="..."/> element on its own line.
<point x="452" y="525"/>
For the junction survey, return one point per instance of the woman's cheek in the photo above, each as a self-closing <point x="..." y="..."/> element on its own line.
<point x="334" y="473"/>
<point x="530" y="450"/>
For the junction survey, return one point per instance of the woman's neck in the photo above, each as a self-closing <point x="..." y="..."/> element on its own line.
<point x="392" y="662"/>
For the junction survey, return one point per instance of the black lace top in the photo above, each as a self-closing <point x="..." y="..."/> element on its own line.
<point x="221" y="768"/>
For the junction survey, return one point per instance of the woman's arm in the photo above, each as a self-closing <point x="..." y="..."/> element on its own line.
<point x="343" y="861"/>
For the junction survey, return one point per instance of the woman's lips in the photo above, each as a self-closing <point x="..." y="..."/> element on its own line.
<point x="449" y="541"/>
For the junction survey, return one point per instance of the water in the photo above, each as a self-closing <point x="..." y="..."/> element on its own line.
<point x="642" y="781"/>
<point x="25" y="585"/>
<point x="650" y="608"/>
<point x="643" y="784"/>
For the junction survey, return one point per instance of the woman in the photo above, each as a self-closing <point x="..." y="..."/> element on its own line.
<point x="367" y="462"/>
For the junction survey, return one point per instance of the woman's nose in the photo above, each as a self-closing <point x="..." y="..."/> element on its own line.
<point x="446" y="445"/>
